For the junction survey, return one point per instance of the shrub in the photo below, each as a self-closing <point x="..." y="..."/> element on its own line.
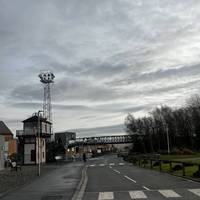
<point x="187" y="151"/>
<point x="196" y="174"/>
<point x="144" y="161"/>
<point x="166" y="161"/>
<point x="16" y="157"/>
<point x="156" y="164"/>
<point x="177" y="167"/>
<point x="188" y="164"/>
<point x="176" y="152"/>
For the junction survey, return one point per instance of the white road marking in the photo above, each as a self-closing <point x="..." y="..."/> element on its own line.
<point x="116" y="171"/>
<point x="137" y="195"/>
<point x="169" y="193"/>
<point x="130" y="179"/>
<point x="195" y="191"/>
<point x="80" y="190"/>
<point x="146" y="188"/>
<point x="121" y="163"/>
<point x="92" y="165"/>
<point x="106" y="195"/>
<point x="110" y="167"/>
<point x="101" y="165"/>
<point x="112" y="164"/>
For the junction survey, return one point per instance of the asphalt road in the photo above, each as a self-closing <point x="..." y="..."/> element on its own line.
<point x="110" y="177"/>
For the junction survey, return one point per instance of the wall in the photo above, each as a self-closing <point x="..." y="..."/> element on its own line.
<point x="46" y="128"/>
<point x="27" y="153"/>
<point x="30" y="128"/>
<point x="12" y="146"/>
<point x="8" y="137"/>
<point x="1" y="152"/>
<point x="42" y="150"/>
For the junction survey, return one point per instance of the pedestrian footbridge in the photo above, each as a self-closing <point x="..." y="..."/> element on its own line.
<point x="100" y="140"/>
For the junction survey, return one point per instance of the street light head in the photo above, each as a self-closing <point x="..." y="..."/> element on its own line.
<point x="46" y="77"/>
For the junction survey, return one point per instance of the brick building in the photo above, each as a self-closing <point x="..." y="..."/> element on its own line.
<point x="2" y="146"/>
<point x="10" y="142"/>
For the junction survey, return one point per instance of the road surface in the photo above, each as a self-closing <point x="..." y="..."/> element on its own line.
<point x="110" y="177"/>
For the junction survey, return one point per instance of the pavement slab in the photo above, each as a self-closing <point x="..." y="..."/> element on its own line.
<point x="57" y="184"/>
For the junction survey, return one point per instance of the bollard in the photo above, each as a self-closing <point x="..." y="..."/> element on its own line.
<point x="170" y="166"/>
<point x="151" y="163"/>
<point x="160" y="165"/>
<point x="183" y="165"/>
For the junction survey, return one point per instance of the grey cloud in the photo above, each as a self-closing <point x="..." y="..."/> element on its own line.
<point x="98" y="51"/>
<point x="175" y="88"/>
<point x="32" y="105"/>
<point x="27" y="92"/>
<point x="25" y="105"/>
<point x="105" y="108"/>
<point x="173" y="72"/>
<point x="97" y="69"/>
<point x="76" y="89"/>
<point x="121" y="107"/>
<point x="99" y="131"/>
<point x="66" y="89"/>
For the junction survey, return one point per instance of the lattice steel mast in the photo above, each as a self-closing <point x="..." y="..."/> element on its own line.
<point x="47" y="78"/>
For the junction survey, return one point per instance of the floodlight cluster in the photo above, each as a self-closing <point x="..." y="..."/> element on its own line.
<point x="46" y="77"/>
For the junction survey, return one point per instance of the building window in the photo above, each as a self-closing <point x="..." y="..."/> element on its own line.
<point x="45" y="128"/>
<point x="33" y="156"/>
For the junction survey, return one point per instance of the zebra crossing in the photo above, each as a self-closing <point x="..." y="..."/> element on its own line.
<point x="108" y="164"/>
<point x="187" y="194"/>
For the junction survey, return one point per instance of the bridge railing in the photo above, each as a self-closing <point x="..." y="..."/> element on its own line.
<point x="102" y="140"/>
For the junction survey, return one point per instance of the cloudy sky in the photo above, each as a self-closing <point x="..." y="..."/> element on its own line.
<point x="110" y="57"/>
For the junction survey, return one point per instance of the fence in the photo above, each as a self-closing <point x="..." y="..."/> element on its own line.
<point x="174" y="167"/>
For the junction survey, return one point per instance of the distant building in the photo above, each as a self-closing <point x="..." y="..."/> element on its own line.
<point x="2" y="145"/>
<point x="29" y="139"/>
<point x="10" y="142"/>
<point x="65" y="138"/>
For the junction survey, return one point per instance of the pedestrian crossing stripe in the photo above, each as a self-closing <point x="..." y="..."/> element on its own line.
<point x="195" y="191"/>
<point x="169" y="193"/>
<point x="121" y="163"/>
<point x="106" y="196"/>
<point x="141" y="194"/>
<point x="137" y="195"/>
<point x="110" y="164"/>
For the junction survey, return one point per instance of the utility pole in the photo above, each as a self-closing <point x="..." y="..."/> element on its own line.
<point x="166" y="128"/>
<point x="39" y="147"/>
<point x="167" y="131"/>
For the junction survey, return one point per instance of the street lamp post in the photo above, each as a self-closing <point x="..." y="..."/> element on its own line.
<point x="39" y="171"/>
<point x="167" y="131"/>
<point x="165" y="125"/>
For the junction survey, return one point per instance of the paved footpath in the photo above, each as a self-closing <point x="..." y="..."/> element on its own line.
<point x="58" y="184"/>
<point x="110" y="178"/>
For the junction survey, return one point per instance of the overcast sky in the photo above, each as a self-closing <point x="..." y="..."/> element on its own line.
<point x="110" y="57"/>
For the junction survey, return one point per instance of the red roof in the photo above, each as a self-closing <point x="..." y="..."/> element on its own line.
<point x="4" y="130"/>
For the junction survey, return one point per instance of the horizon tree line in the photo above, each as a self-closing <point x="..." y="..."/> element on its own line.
<point x="166" y="128"/>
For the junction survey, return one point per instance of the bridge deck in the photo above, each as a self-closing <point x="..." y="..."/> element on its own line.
<point x="119" y="139"/>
